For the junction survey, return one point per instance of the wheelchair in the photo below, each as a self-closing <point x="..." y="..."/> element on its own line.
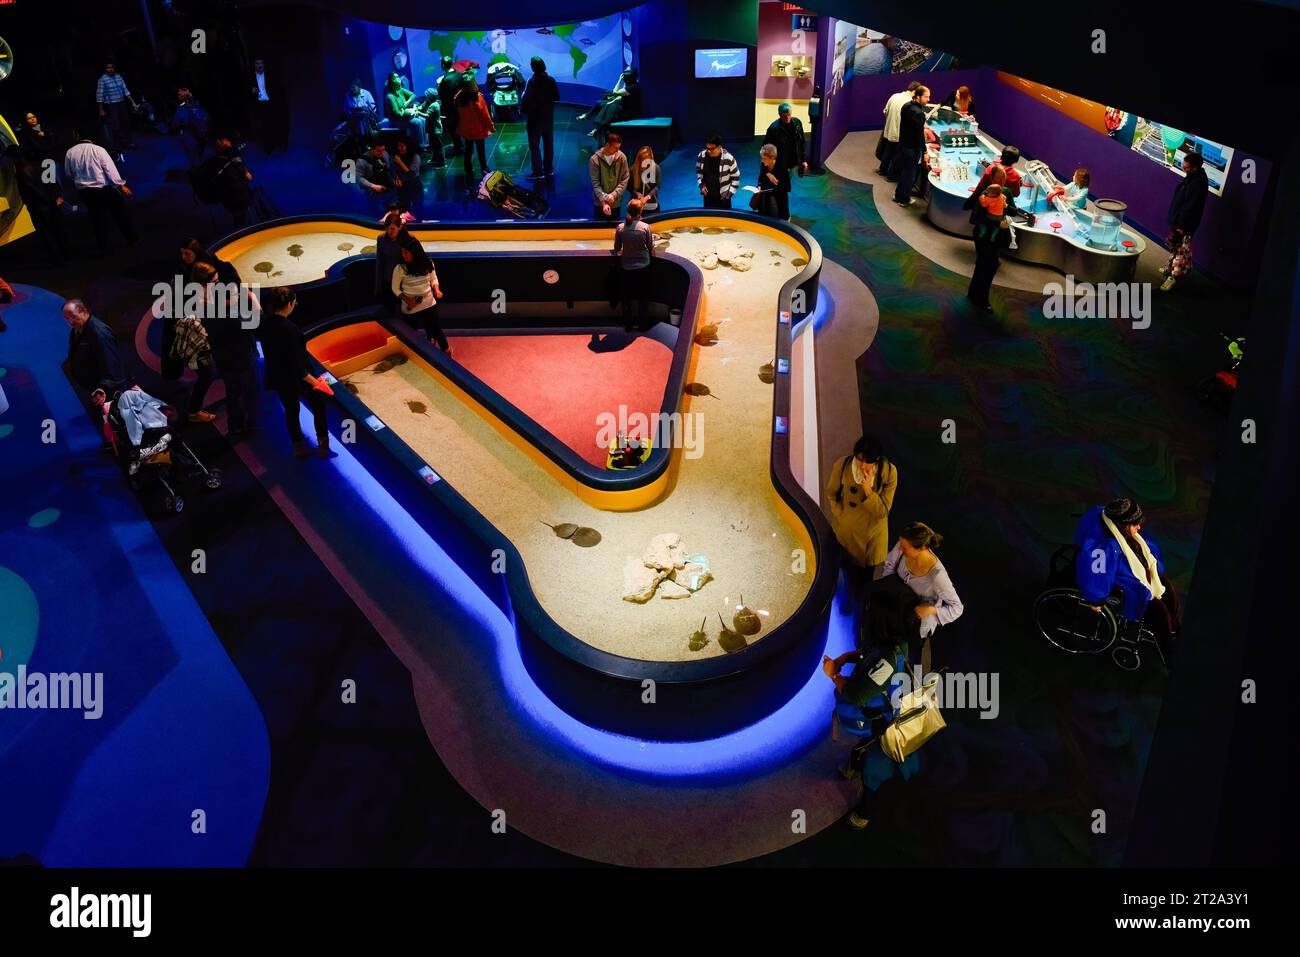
<point x="1070" y="624"/>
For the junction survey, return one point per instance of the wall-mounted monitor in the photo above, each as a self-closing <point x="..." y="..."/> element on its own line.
<point x="730" y="61"/>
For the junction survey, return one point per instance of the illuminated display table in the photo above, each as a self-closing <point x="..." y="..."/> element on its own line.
<point x="1069" y="246"/>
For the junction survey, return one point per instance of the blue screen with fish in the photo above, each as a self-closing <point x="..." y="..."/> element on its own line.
<point x="720" y="62"/>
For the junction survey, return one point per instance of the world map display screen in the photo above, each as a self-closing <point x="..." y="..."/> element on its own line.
<point x="590" y="52"/>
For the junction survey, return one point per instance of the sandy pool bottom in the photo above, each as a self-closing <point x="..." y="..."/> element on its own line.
<point x="722" y="504"/>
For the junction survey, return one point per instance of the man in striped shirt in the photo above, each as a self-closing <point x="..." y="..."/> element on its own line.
<point x="112" y="96"/>
<point x="717" y="173"/>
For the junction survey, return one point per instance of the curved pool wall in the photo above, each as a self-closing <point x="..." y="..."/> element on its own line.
<point x="692" y="700"/>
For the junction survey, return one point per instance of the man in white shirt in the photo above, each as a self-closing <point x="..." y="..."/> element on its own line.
<point x="888" y="144"/>
<point x="97" y="181"/>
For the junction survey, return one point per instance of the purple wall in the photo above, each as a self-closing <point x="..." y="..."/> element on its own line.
<point x="774" y="37"/>
<point x="1228" y="242"/>
<point x="858" y="103"/>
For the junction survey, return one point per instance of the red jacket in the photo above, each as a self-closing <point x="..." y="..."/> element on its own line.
<point x="473" y="121"/>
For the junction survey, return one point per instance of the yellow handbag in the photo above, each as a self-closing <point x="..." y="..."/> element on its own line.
<point x="918" y="721"/>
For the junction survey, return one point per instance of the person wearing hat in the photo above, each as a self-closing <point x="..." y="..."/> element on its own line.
<point x="786" y="134"/>
<point x="1115" y="556"/>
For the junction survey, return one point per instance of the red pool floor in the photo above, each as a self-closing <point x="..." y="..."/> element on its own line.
<point x="568" y="387"/>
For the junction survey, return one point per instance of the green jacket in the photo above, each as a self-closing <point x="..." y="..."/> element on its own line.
<point x="608" y="178"/>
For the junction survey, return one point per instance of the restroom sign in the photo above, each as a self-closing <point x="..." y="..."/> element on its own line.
<point x="807" y="22"/>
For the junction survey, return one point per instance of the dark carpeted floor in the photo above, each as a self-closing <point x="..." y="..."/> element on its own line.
<point x="1050" y="416"/>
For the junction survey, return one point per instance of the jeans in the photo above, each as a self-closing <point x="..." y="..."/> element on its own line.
<point x="203" y="380"/>
<point x="634" y="287"/>
<point x="713" y="201"/>
<point x="541" y="134"/>
<point x="117" y="130"/>
<point x="241" y="395"/>
<point x="906" y="162"/>
<point x="427" y="321"/>
<point x="315" y="400"/>
<point x="104" y="203"/>
<point x="986" y="267"/>
<point x="471" y="146"/>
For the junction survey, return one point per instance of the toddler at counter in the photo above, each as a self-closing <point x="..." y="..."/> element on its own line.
<point x="993" y="200"/>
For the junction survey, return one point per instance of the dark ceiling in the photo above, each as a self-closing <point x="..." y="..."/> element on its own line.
<point x="1226" y="70"/>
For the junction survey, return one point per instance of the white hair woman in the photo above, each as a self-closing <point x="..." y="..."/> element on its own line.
<point x="772" y="183"/>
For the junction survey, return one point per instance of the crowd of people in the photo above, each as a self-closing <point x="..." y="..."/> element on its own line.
<point x="904" y="154"/>
<point x="902" y="601"/>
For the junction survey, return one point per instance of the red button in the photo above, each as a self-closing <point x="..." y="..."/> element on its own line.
<point x="1129" y="243"/>
<point x="1055" y="225"/>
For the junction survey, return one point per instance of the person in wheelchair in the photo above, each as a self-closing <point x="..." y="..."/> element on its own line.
<point x="1114" y="557"/>
<point x="360" y="115"/>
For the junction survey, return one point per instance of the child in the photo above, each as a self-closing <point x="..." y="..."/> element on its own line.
<point x="995" y="202"/>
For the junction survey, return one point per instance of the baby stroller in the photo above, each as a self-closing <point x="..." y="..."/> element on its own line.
<point x="506" y="85"/>
<point x="142" y="431"/>
<point x="503" y="193"/>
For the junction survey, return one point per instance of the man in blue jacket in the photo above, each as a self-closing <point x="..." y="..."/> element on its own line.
<point x="1113" y="555"/>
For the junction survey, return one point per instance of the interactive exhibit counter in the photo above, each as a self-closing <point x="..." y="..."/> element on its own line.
<point x="1090" y="243"/>
<point x="703" y="566"/>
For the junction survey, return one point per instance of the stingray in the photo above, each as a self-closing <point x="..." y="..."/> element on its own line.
<point x="351" y="388"/>
<point x="767" y="373"/>
<point x="799" y="262"/>
<point x="699" y="388"/>
<point x="419" y="408"/>
<point x="707" y="334"/>
<point x="389" y="364"/>
<point x="712" y="230"/>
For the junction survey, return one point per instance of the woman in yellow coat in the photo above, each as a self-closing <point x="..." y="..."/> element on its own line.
<point x="860" y="493"/>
